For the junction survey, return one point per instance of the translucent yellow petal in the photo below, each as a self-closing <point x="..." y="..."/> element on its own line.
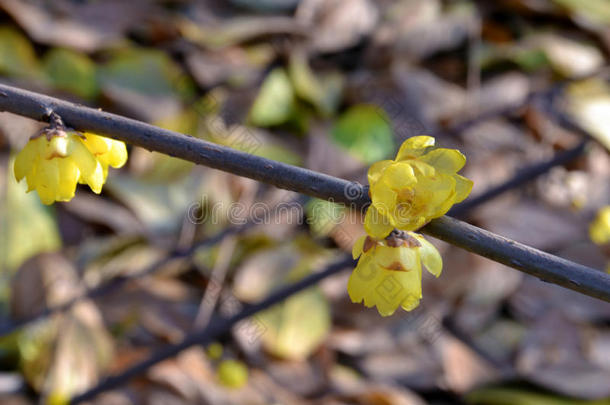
<point x="463" y="187"/>
<point x="376" y="225"/>
<point x="384" y="198"/>
<point x="97" y="179"/>
<point x="358" y="247"/>
<point x="25" y="160"/>
<point x="447" y="160"/>
<point x="31" y="178"/>
<point x="395" y="287"/>
<point x="439" y="194"/>
<point x="409" y="258"/>
<point x="408" y="223"/>
<point x="414" y="147"/>
<point x="387" y="293"/>
<point x="96" y="144"/>
<point x="84" y="159"/>
<point x="361" y="279"/>
<point x="117" y="156"/>
<point x="68" y="176"/>
<point x="47" y="181"/>
<point x="422" y="168"/>
<point x="410" y="303"/>
<point x="91" y="170"/>
<point x="430" y="257"/>
<point x="377" y="169"/>
<point x="399" y="175"/>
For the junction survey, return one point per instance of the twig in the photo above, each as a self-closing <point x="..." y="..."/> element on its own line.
<point x="216" y="328"/>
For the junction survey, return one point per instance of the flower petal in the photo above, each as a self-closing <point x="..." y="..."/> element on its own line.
<point x="447" y="160"/>
<point x="383" y="198"/>
<point x="376" y="170"/>
<point x="399" y="175"/>
<point x="430" y="257"/>
<point x="414" y="147"/>
<point x="68" y="175"/>
<point x="410" y="303"/>
<point x="118" y="154"/>
<point x="25" y="159"/>
<point x="47" y="177"/>
<point x="376" y="224"/>
<point x="463" y="187"/>
<point x="358" y="247"/>
<point x="96" y="144"/>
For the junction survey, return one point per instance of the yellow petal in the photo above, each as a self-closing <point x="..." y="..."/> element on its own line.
<point x="399" y="175"/>
<point x="422" y="168"/>
<point x="361" y="279"/>
<point x="463" y="187"/>
<point x="414" y="147"/>
<point x="117" y="156"/>
<point x="396" y="287"/>
<point x="409" y="223"/>
<point x="447" y="160"/>
<point x="383" y="197"/>
<point x="68" y="174"/>
<point x="377" y="169"/>
<point x="25" y="160"/>
<point x="439" y="194"/>
<point x="97" y="179"/>
<point x="91" y="170"/>
<point x="84" y="159"/>
<point x="96" y="144"/>
<point x="376" y="225"/>
<point x="410" y="303"/>
<point x="47" y="177"/>
<point x="358" y="247"/>
<point x="430" y="257"/>
<point x="31" y="177"/>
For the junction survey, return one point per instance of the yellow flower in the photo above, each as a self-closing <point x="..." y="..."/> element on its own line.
<point x="54" y="162"/>
<point x="389" y="272"/>
<point x="599" y="230"/>
<point x="232" y="373"/>
<point x="419" y="185"/>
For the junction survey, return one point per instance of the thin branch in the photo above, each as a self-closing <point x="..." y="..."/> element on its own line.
<point x="119" y="281"/>
<point x="217" y="327"/>
<point x="547" y="267"/>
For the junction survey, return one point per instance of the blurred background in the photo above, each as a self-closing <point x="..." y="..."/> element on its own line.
<point x="331" y="85"/>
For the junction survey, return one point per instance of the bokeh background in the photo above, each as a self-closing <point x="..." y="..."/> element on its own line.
<point x="332" y="85"/>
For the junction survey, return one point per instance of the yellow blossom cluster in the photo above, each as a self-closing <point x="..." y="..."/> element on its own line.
<point x="420" y="184"/>
<point x="56" y="160"/>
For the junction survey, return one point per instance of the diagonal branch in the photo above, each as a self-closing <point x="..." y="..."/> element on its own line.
<point x="537" y="263"/>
